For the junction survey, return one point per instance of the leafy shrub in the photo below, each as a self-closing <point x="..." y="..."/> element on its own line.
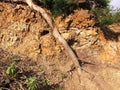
<point x="104" y="16"/>
<point x="58" y="7"/>
<point x="102" y="3"/>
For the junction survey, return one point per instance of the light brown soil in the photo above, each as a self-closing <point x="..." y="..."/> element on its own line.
<point x="25" y="34"/>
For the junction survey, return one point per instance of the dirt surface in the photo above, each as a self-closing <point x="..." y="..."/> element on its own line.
<point x="26" y="35"/>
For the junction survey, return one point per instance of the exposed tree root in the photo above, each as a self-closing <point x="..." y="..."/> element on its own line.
<point x="56" y="33"/>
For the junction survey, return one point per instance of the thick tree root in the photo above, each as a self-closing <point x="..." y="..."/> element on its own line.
<point x="56" y="33"/>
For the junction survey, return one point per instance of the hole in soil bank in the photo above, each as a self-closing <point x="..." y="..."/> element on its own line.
<point x="44" y="32"/>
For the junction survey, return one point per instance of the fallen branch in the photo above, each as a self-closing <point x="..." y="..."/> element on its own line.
<point x="56" y="33"/>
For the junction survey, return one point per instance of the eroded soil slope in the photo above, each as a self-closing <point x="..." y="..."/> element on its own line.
<point x="24" y="33"/>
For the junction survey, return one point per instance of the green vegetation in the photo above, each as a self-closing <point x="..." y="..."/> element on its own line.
<point x="102" y="3"/>
<point x="14" y="74"/>
<point x="45" y="83"/>
<point x="32" y="84"/>
<point x="104" y="16"/>
<point x="59" y="7"/>
<point x="65" y="7"/>
<point x="102" y="12"/>
<point x="11" y="70"/>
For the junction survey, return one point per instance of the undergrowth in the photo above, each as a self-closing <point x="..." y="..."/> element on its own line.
<point x="104" y="16"/>
<point x="59" y="7"/>
<point x="32" y="84"/>
<point x="16" y="77"/>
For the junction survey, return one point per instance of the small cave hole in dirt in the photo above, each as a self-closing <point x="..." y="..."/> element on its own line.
<point x="44" y="32"/>
<point x="27" y="20"/>
<point x="71" y="41"/>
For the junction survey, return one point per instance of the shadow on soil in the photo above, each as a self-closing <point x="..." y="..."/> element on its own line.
<point x="111" y="35"/>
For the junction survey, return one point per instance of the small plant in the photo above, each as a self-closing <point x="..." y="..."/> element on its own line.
<point x="32" y="84"/>
<point x="45" y="83"/>
<point x="11" y="70"/>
